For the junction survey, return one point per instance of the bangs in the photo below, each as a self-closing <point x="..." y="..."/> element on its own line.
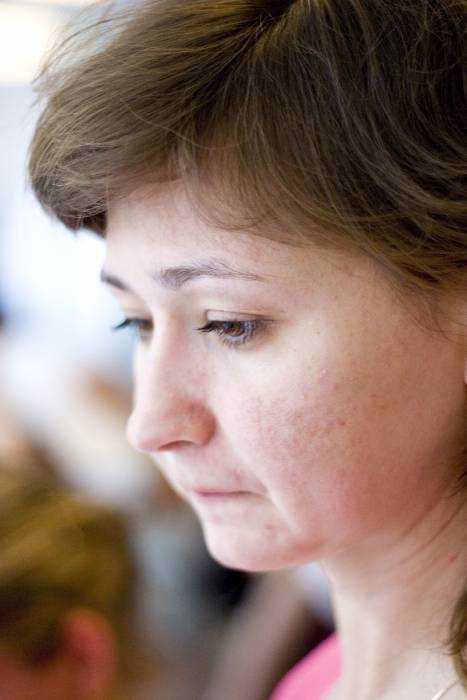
<point x="328" y="122"/>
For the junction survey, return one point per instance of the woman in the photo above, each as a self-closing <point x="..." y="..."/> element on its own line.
<point x="282" y="190"/>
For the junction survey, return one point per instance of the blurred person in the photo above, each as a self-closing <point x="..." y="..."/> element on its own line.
<point x="66" y="592"/>
<point x="181" y="591"/>
<point x="282" y="189"/>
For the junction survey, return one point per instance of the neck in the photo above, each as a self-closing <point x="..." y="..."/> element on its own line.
<point x="393" y="604"/>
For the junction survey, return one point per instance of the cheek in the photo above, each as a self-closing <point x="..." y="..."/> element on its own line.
<point x="297" y="436"/>
<point x="327" y="455"/>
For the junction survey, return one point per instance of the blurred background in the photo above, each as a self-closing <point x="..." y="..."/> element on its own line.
<point x="66" y="392"/>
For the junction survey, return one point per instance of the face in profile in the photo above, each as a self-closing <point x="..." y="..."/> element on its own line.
<point x="286" y="393"/>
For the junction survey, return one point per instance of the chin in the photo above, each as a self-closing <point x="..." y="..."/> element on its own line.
<point x="237" y="551"/>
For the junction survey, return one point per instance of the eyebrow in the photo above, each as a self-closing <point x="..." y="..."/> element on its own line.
<point x="175" y="277"/>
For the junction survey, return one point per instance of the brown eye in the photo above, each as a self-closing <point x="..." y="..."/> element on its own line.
<point x="234" y="329"/>
<point x="234" y="332"/>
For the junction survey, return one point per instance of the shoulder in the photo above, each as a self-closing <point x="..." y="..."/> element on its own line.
<point x="313" y="675"/>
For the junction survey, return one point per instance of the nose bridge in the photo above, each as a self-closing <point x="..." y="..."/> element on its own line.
<point x="170" y="404"/>
<point x="156" y="366"/>
<point x="170" y="364"/>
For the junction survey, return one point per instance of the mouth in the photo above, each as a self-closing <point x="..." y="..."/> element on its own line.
<point x="207" y="495"/>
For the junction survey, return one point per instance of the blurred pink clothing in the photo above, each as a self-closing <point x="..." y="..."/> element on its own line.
<point x="314" y="675"/>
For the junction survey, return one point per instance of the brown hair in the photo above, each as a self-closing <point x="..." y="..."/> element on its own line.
<point x="333" y="121"/>
<point x="60" y="552"/>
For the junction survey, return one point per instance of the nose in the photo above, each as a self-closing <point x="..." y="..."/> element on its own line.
<point x="169" y="408"/>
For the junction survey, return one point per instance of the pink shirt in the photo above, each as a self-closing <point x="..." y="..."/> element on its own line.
<point x="314" y="675"/>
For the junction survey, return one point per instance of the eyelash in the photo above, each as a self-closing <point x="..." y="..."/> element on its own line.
<point x="249" y="329"/>
<point x="136" y="324"/>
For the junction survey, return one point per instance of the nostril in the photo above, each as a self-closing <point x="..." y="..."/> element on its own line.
<point x="169" y="426"/>
<point x="175" y="444"/>
<point x="145" y="437"/>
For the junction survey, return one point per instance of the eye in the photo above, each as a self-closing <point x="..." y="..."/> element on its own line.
<point x="234" y="332"/>
<point x="141" y="326"/>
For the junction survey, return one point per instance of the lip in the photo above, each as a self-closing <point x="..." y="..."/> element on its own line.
<point x="208" y="493"/>
<point x="205" y="494"/>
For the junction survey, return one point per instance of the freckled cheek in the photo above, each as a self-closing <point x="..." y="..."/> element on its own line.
<point x="293" y="429"/>
<point x="317" y="433"/>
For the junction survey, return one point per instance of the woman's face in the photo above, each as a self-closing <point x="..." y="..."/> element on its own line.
<point x="285" y="393"/>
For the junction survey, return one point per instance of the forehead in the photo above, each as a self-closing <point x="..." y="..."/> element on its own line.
<point x="166" y="218"/>
<point x="163" y="227"/>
